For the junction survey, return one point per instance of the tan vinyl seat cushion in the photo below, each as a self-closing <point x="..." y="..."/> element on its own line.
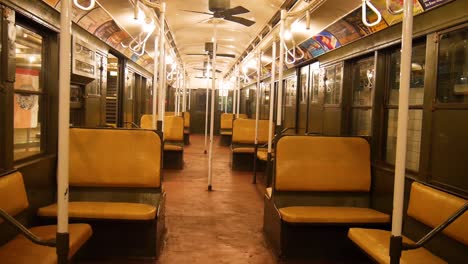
<point x="173" y="128"/>
<point x="376" y="244"/>
<point x="171" y="147"/>
<point x="187" y="120"/>
<point x="115" y="158"/>
<point x="325" y="214"/>
<point x="432" y="207"/>
<point x="13" y="198"/>
<point x="226" y="132"/>
<point x="312" y="163"/>
<point x="243" y="150"/>
<point x="104" y="210"/>
<point x="226" y="120"/>
<point x="243" y="131"/>
<point x="21" y="250"/>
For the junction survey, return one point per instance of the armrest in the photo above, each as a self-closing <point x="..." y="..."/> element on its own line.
<point x="23" y="230"/>
<point x="436" y="230"/>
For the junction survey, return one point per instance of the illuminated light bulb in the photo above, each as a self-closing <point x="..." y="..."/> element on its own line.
<point x="32" y="59"/>
<point x="149" y="27"/>
<point x="287" y="35"/>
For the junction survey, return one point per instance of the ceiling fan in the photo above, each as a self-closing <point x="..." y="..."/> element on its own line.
<point x="206" y="67"/>
<point x="209" y="51"/>
<point x="221" y="9"/>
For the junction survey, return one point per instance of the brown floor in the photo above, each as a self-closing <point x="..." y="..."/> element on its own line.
<point x="222" y="226"/>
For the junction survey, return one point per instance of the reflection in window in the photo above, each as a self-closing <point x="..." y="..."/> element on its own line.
<point x="314" y="85"/>
<point x="415" y="113"/>
<point x="332" y="84"/>
<point x="452" y="79"/>
<point x="304" y="85"/>
<point x="28" y="94"/>
<point x="363" y="86"/>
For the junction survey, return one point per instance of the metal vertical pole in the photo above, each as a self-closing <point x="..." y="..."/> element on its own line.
<point x="184" y="97"/>
<point x="162" y="66"/>
<point x="238" y="92"/>
<point x="272" y="97"/>
<point x="279" y="116"/>
<point x="257" y="111"/>
<point x="234" y="98"/>
<point x="403" y="105"/>
<point x="189" y="98"/>
<point x="63" y="236"/>
<point x="207" y="108"/>
<point x="226" y="91"/>
<point x="155" y="81"/>
<point x="210" y="162"/>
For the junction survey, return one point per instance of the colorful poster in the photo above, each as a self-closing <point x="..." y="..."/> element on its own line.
<point x="26" y="107"/>
<point x="428" y="4"/>
<point x="327" y="41"/>
<point x="312" y="47"/>
<point x="106" y="30"/>
<point x="344" y="32"/>
<point x="52" y="3"/>
<point x="117" y="38"/>
<point x="390" y="13"/>
<point x="94" y="19"/>
<point x="355" y="19"/>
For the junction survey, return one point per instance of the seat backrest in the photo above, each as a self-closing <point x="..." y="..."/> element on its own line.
<point x="226" y="120"/>
<point x="244" y="116"/>
<point x="432" y="207"/>
<point x="115" y="158"/>
<point x="146" y="121"/>
<point x="322" y="164"/>
<point x="173" y="128"/>
<point x="186" y="119"/>
<point x="13" y="197"/>
<point x="243" y="131"/>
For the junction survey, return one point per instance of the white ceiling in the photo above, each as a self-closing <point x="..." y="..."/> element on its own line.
<point x="190" y="35"/>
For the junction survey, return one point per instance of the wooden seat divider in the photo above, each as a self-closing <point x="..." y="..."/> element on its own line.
<point x="173" y="157"/>
<point x="427" y="208"/>
<point x="19" y="249"/>
<point x="321" y="188"/>
<point x="243" y="142"/>
<point x="115" y="186"/>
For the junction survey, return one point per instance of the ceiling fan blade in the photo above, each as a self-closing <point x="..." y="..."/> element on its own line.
<point x="236" y="11"/>
<point x="203" y="21"/>
<point x="201" y="69"/>
<point x="197" y="12"/>
<point x="225" y="55"/>
<point x="197" y="54"/>
<point x="240" y="20"/>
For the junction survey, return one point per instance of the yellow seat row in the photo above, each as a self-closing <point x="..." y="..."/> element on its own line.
<point x="13" y="200"/>
<point x="321" y="188"/>
<point x="427" y="206"/>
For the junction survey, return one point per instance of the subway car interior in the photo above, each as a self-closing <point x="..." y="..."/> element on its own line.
<point x="233" y="131"/>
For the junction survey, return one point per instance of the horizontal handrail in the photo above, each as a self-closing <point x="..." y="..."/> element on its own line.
<point x="23" y="230"/>
<point x="436" y="230"/>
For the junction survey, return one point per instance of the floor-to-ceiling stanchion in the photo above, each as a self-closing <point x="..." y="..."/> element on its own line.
<point x="184" y="96"/>
<point x="226" y="97"/>
<point x="207" y="108"/>
<point x="403" y="108"/>
<point x="63" y="236"/>
<point x="155" y="81"/>
<point x="234" y="97"/>
<point x="272" y="104"/>
<point x="257" y="112"/>
<point x="279" y="109"/>
<point x="162" y="66"/>
<point x="213" y="91"/>
<point x="238" y="92"/>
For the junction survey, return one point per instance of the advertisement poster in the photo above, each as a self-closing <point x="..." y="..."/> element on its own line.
<point x="26" y="107"/>
<point x="94" y="19"/>
<point x="313" y="48"/>
<point x="327" y="41"/>
<point x="355" y="19"/>
<point x="390" y="14"/>
<point x="106" y="30"/>
<point x="428" y="4"/>
<point x="344" y="32"/>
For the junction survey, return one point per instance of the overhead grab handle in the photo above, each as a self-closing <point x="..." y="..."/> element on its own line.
<point x="365" y="4"/>
<point x="92" y="3"/>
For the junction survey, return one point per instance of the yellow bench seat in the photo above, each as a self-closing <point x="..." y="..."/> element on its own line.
<point x="376" y="243"/>
<point x="226" y="132"/>
<point x="335" y="215"/>
<point x="104" y="210"/>
<point x="21" y="250"/>
<point x="262" y="154"/>
<point x="173" y="147"/>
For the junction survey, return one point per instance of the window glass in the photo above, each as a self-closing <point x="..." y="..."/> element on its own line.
<point x="314" y="80"/>
<point x="452" y="79"/>
<point x="361" y="122"/>
<point x="304" y="85"/>
<point x="28" y="94"/>
<point x="413" y="139"/>
<point x="332" y="82"/>
<point x="416" y="79"/>
<point x="363" y="82"/>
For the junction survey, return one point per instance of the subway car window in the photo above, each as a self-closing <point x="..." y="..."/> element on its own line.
<point x="452" y="79"/>
<point x="29" y="94"/>
<point x="416" y="104"/>
<point x="363" y="87"/>
<point x="333" y="82"/>
<point x="314" y="85"/>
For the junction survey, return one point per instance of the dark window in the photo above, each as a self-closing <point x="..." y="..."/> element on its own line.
<point x="363" y="76"/>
